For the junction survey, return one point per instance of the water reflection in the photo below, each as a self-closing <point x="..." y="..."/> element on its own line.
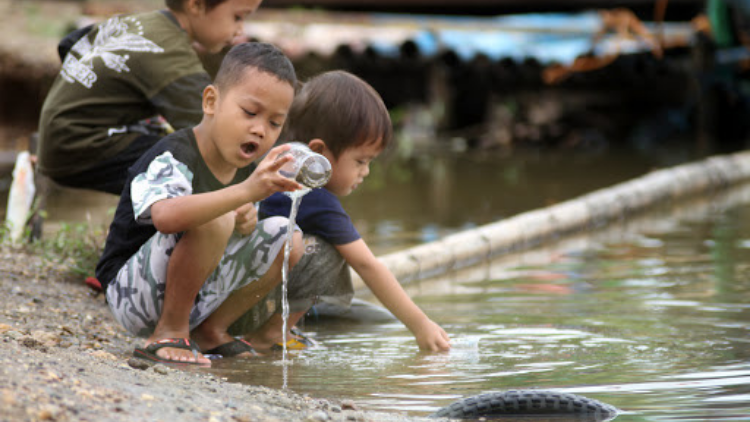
<point x="651" y="316"/>
<point x="408" y="202"/>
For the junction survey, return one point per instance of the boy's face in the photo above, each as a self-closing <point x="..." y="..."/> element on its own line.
<point x="247" y="116"/>
<point x="349" y="170"/>
<point x="216" y="28"/>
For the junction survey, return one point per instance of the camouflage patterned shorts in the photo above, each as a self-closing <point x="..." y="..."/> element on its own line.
<point x="136" y="295"/>
<point x="321" y="276"/>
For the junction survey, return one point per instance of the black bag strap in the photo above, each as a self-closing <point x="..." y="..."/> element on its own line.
<point x="69" y="40"/>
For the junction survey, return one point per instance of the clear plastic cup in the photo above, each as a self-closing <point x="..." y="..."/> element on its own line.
<point x="308" y="168"/>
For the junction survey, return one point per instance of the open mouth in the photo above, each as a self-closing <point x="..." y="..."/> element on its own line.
<point x="249" y="148"/>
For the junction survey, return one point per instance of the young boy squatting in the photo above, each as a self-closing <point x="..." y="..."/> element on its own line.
<point x="343" y="118"/>
<point x="186" y="256"/>
<point x="125" y="70"/>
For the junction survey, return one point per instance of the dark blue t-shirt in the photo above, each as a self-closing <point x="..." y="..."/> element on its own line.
<point x="320" y="213"/>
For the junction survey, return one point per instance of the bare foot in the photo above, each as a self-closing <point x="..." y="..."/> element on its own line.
<point x="265" y="341"/>
<point x="270" y="334"/>
<point x="262" y="343"/>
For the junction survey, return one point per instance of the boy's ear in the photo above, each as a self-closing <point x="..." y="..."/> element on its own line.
<point x="317" y="145"/>
<point x="210" y="99"/>
<point x="193" y="6"/>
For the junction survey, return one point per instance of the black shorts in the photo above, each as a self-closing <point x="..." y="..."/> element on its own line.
<point x="110" y="175"/>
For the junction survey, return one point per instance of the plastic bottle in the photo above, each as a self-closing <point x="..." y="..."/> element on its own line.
<point x="20" y="197"/>
<point x="308" y="168"/>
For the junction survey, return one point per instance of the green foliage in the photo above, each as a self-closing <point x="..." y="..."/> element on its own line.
<point x="76" y="247"/>
<point x="42" y="24"/>
<point x="397" y="115"/>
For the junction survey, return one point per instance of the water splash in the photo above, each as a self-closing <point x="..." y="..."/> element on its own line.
<point x="296" y="197"/>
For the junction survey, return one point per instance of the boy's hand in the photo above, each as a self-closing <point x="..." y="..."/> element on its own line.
<point x="245" y="219"/>
<point x="433" y="338"/>
<point x="266" y="179"/>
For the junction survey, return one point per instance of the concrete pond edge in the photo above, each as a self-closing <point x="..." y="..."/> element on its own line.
<point x="591" y="211"/>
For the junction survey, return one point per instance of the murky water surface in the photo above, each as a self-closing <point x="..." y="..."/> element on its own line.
<point x="403" y="204"/>
<point x="651" y="316"/>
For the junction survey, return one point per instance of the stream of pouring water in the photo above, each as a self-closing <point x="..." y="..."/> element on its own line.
<point x="296" y="197"/>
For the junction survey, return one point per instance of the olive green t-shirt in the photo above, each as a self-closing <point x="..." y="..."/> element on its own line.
<point x="124" y="70"/>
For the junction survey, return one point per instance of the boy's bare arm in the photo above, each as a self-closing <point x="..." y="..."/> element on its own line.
<point x="182" y="213"/>
<point x="388" y="290"/>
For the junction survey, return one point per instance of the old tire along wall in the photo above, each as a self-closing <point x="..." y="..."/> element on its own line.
<point x="528" y="403"/>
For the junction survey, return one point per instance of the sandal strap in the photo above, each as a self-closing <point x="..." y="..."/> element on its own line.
<point x="233" y="348"/>
<point x="149" y="352"/>
<point x="175" y="343"/>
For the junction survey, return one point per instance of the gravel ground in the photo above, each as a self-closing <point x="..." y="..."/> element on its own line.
<point x="64" y="358"/>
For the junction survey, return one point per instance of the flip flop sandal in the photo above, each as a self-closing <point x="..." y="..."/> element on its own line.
<point x="149" y="352"/>
<point x="232" y="349"/>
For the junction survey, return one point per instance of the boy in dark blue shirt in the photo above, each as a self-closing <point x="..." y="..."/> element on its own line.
<point x="343" y="118"/>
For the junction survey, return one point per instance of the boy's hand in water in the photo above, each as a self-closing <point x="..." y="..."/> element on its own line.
<point x="432" y="337"/>
<point x="245" y="219"/>
<point x="267" y="180"/>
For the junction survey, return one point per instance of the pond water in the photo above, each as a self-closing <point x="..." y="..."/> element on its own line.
<point x="408" y="202"/>
<point x="651" y="316"/>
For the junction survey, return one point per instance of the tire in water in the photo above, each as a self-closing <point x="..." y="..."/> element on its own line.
<point x="527" y="403"/>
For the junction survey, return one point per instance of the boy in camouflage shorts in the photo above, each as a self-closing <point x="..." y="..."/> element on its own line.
<point x="185" y="256"/>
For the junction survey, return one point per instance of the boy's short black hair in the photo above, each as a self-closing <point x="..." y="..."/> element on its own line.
<point x="178" y="4"/>
<point x="262" y="56"/>
<point x="342" y="110"/>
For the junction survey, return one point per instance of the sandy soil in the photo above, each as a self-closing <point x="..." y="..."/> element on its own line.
<point x="64" y="358"/>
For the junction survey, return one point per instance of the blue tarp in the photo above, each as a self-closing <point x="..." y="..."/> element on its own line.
<point x="545" y="37"/>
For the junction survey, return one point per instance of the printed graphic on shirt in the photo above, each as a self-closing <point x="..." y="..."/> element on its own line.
<point x="117" y="35"/>
<point x="311" y="245"/>
<point x="165" y="178"/>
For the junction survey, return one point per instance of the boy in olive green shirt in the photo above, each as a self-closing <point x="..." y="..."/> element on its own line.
<point x="123" y="71"/>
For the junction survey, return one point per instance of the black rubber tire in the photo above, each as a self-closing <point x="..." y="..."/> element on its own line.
<point x="526" y="403"/>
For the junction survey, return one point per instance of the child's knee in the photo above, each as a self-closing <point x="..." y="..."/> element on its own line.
<point x="217" y="230"/>
<point x="273" y="225"/>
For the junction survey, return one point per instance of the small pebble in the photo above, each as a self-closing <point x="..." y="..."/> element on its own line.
<point x="319" y="416"/>
<point x="138" y="363"/>
<point x="161" y="369"/>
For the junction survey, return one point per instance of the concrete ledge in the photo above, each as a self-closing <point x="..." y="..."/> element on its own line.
<point x="588" y="212"/>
